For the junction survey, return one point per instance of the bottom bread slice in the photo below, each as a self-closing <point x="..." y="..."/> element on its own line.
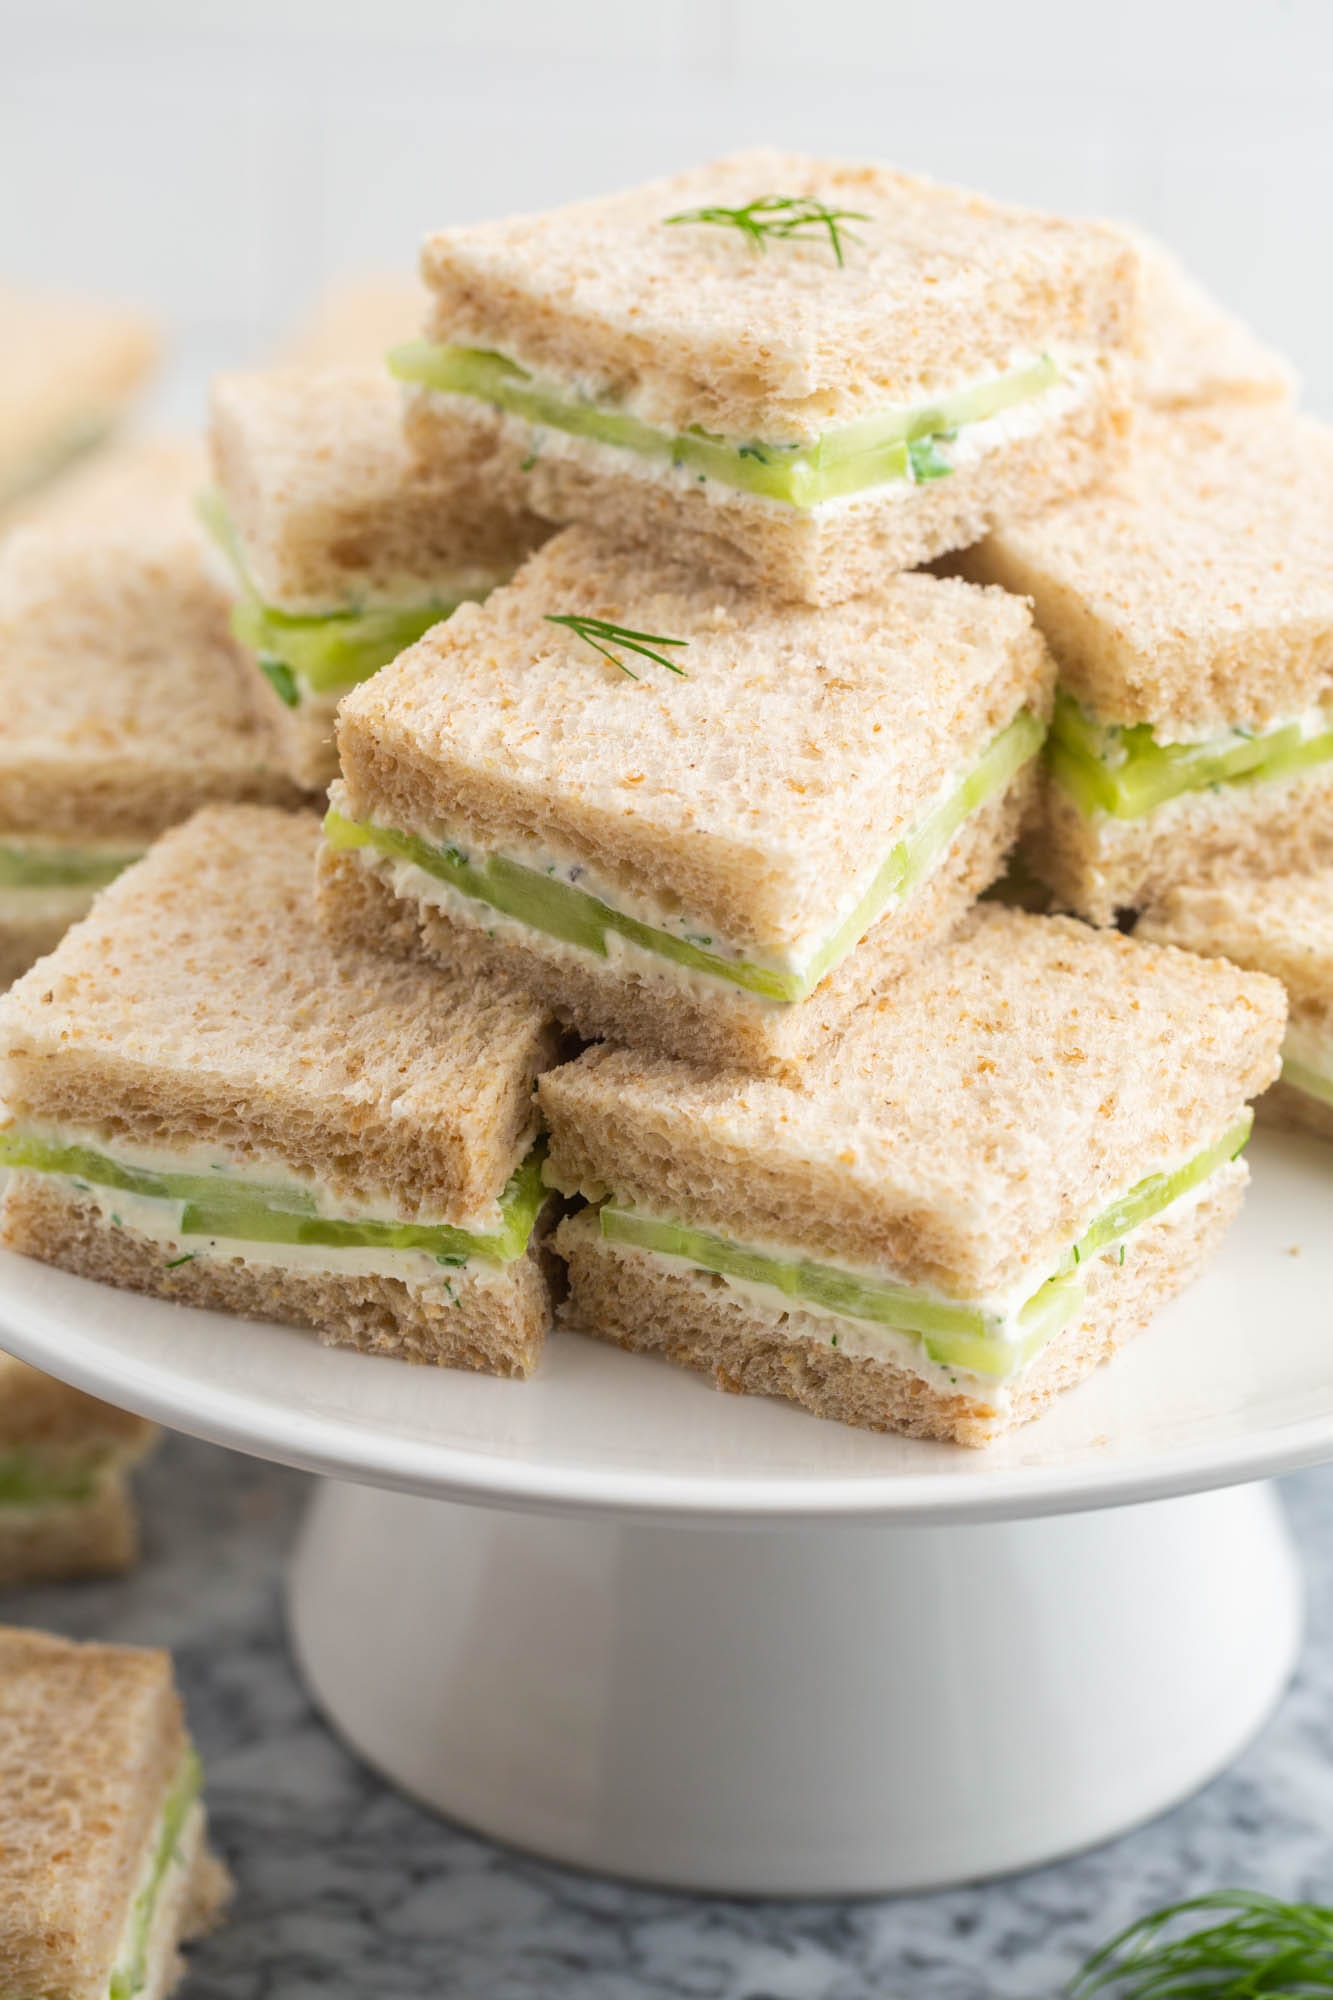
<point x="705" y="1021"/>
<point x="497" y="1325"/>
<point x="96" y="1537"/>
<point x="1096" y="865"/>
<point x="694" y="1318"/>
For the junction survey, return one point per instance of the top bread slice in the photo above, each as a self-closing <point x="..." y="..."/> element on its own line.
<point x="200" y="1004"/>
<point x="961" y="1132"/>
<point x="1195" y="353"/>
<point x="1195" y="591"/>
<point x="356" y="320"/>
<point x="91" y="1738"/>
<point x="697" y="324"/>
<point x="1282" y="925"/>
<point x="39" y="1413"/>
<point x="67" y="367"/>
<point x="124" y="701"/>
<point x="756" y="786"/>
<point x="331" y="509"/>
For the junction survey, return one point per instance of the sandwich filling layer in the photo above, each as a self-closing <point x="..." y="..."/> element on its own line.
<point x="315" y="658"/>
<point x="1125" y="771"/>
<point x="880" y="1315"/>
<point x="1307" y="1059"/>
<point x="897" y="447"/>
<point x="34" y="1479"/>
<point x="533" y="892"/>
<point x="147" y="1946"/>
<point x="225" y="1211"/>
<point x="46" y="867"/>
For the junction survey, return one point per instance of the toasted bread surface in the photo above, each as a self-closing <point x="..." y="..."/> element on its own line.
<point x="333" y="511"/>
<point x="1194" y="591"/>
<point x="124" y="701"/>
<point x="63" y="362"/>
<point x="696" y="324"/>
<point x="200" y="1003"/>
<point x="964" y="1129"/>
<point x="39" y="1412"/>
<point x="1282" y="925"/>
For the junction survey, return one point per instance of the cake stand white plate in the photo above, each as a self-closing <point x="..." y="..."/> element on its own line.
<point x="636" y="1626"/>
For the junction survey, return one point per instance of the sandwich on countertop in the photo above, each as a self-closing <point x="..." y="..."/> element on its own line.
<point x="1196" y="353"/>
<point x="105" y="1869"/>
<point x="65" y="1460"/>
<point x="124" y="701"/>
<point x="1282" y="925"/>
<point x="343" y="548"/>
<point x="1189" y="606"/>
<point x="69" y="370"/>
<point x="207" y="1100"/>
<point x="987" y="1184"/>
<point x="687" y="818"/>
<point x="801" y="374"/>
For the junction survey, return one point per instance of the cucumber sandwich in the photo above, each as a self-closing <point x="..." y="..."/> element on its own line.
<point x="685" y="817"/>
<point x="126" y="701"/>
<point x="206" y="1099"/>
<point x="1190" y="608"/>
<point x="70" y="370"/>
<point x="105" y="1870"/>
<point x="800" y="373"/>
<point x="1282" y="925"/>
<point x="966" y="1203"/>
<point x="341" y="549"/>
<point x="65" y="1507"/>
<point x="1196" y="354"/>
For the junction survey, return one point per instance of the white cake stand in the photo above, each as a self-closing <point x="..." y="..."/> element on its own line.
<point x="614" y="1617"/>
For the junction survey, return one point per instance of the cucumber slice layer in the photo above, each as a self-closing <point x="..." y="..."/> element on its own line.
<point x="560" y="910"/>
<point x="219" y="1205"/>
<point x="892" y="446"/>
<point x="955" y="1333"/>
<point x="1126" y="772"/>
<point x="318" y="655"/>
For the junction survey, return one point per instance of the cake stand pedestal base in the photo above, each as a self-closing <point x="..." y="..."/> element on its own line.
<point x="828" y="1710"/>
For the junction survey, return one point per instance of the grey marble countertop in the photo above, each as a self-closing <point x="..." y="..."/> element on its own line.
<point x="344" y="1889"/>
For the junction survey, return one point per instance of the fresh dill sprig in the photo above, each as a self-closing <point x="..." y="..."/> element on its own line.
<point x="781" y="216"/>
<point x="1258" y="1946"/>
<point x="601" y="635"/>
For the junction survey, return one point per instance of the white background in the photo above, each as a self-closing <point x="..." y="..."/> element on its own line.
<point x="222" y="158"/>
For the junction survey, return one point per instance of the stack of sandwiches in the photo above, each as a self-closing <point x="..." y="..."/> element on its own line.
<point x="641" y="957"/>
<point x="642" y="973"/>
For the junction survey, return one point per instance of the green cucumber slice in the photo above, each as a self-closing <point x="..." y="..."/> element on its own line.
<point x="323" y="653"/>
<point x="560" y="910"/>
<point x="327" y="655"/>
<point x="32" y="1478"/>
<point x="259" y="1212"/>
<point x="868" y="453"/>
<point x="131" y="1975"/>
<point x="59" y="867"/>
<point x="1125" y="772"/>
<point x="954" y="1333"/>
